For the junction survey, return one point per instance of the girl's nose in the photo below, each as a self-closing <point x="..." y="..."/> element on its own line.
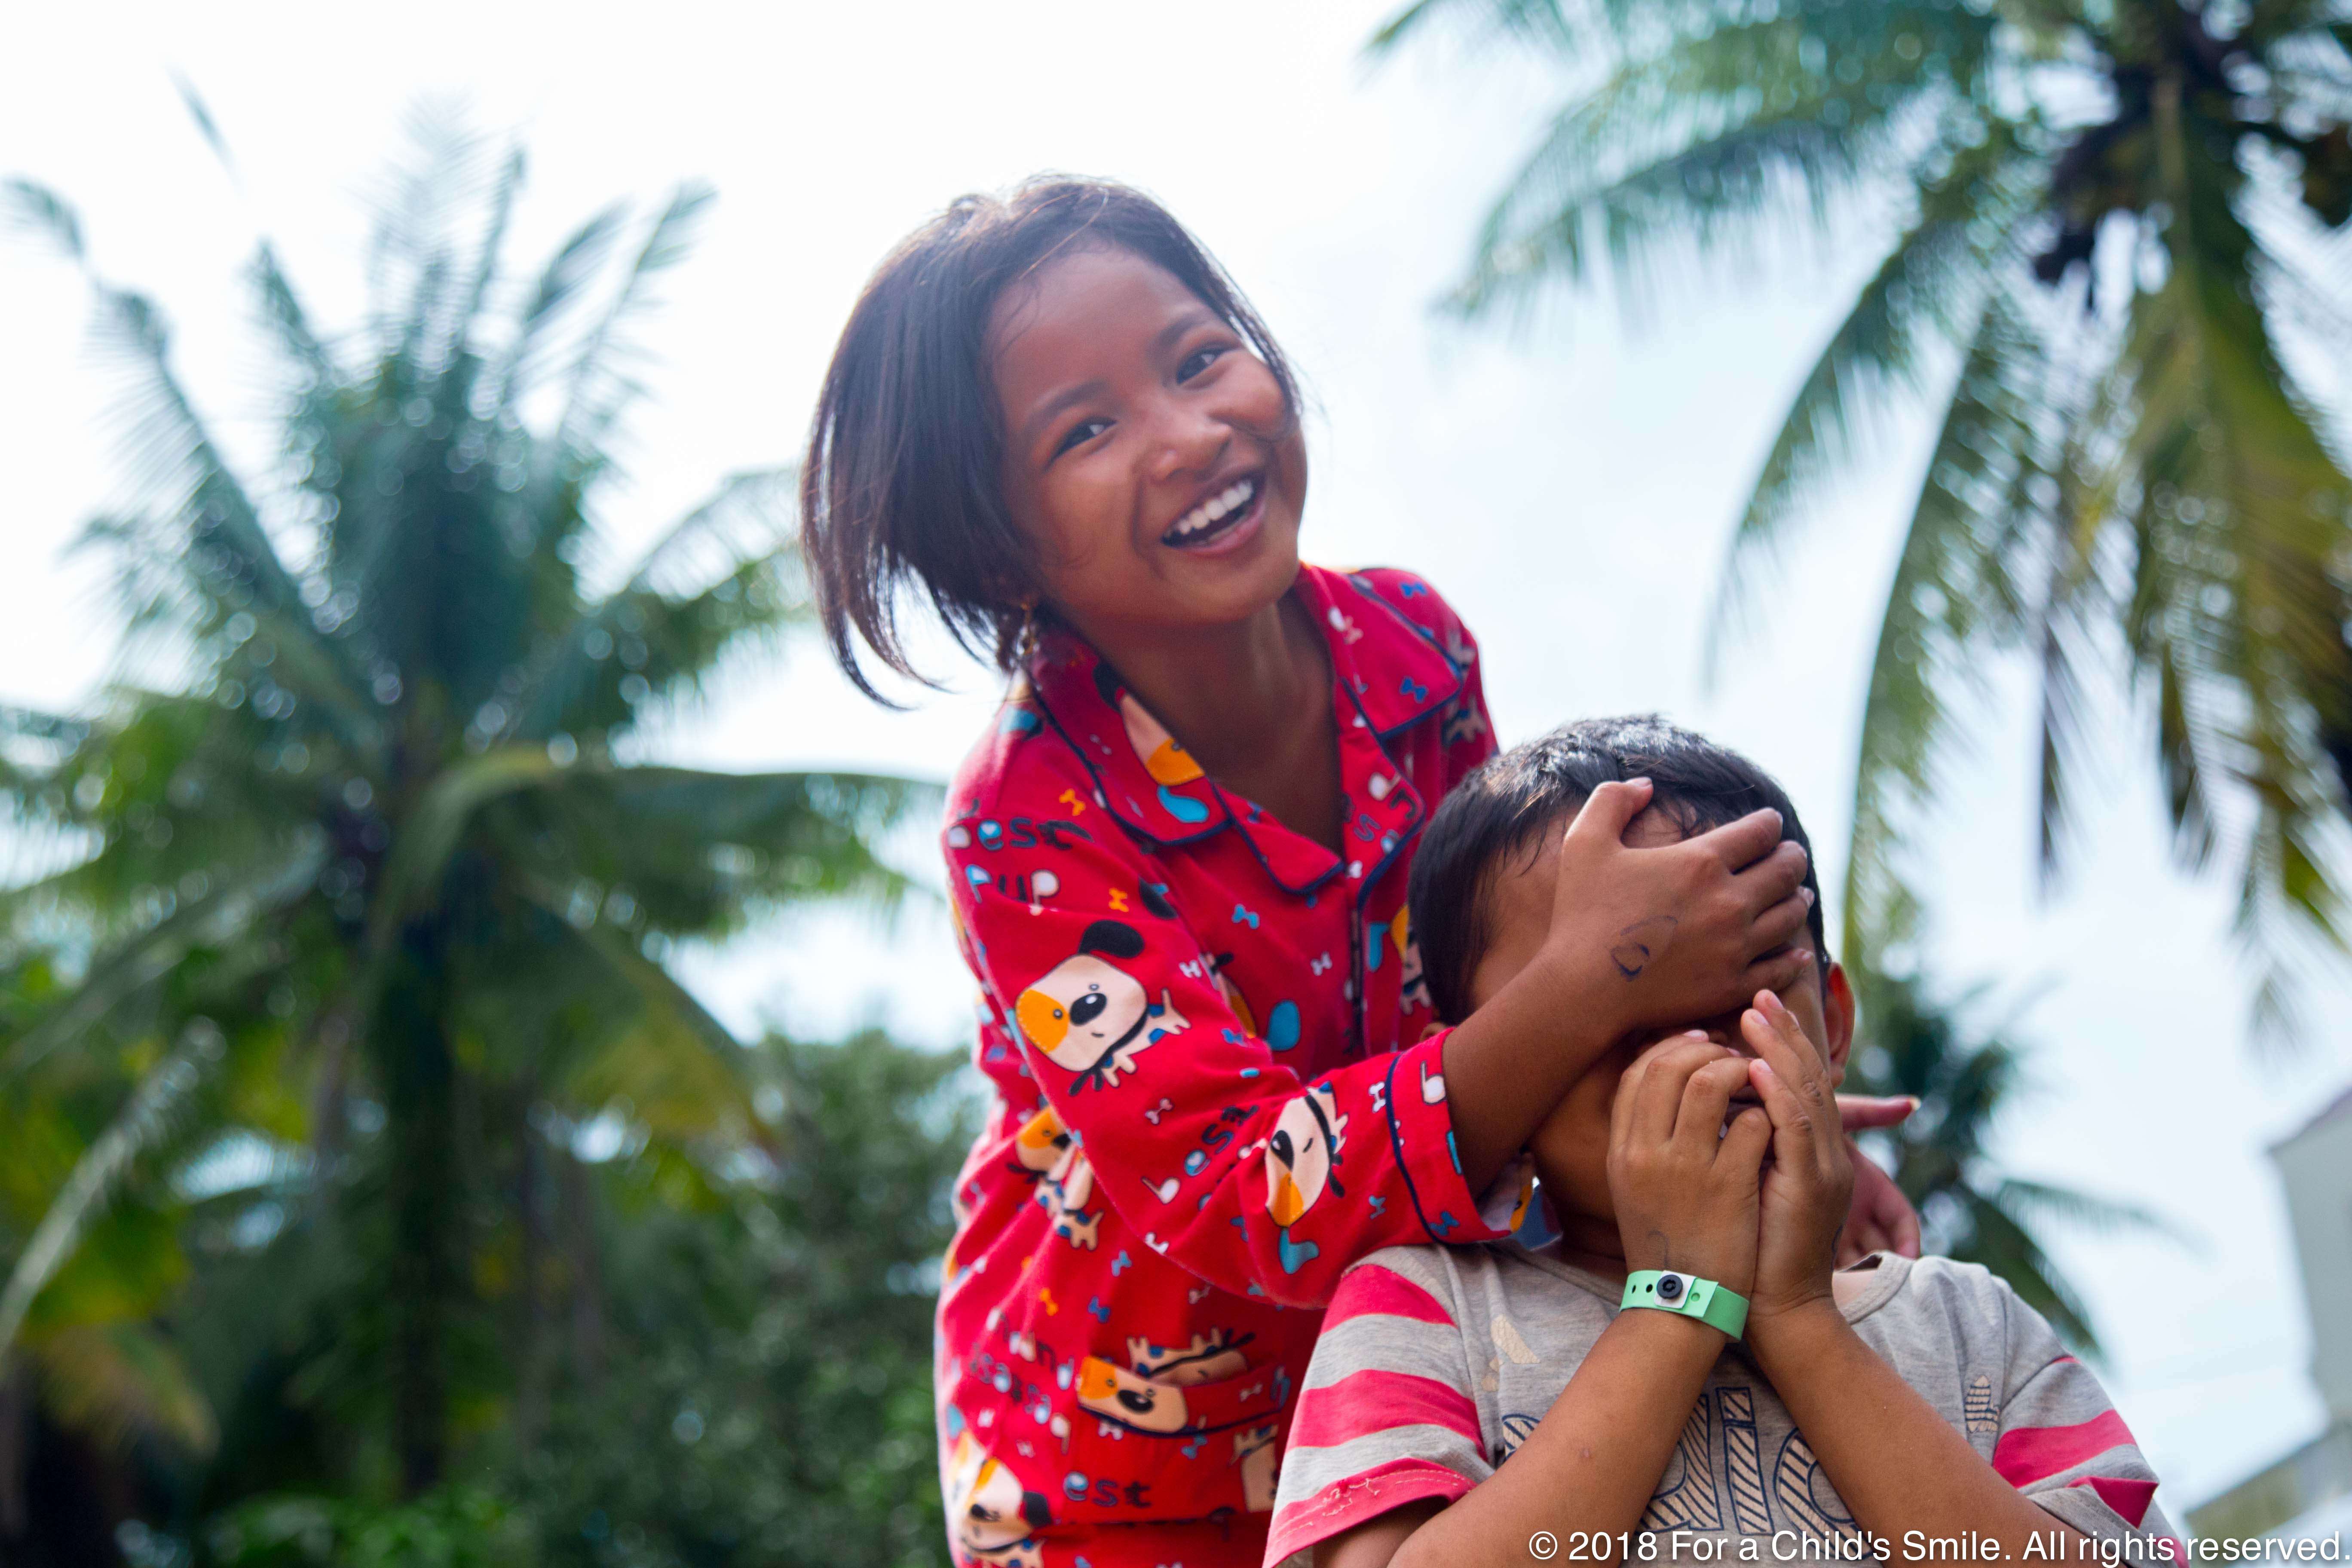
<point x="1186" y="440"/>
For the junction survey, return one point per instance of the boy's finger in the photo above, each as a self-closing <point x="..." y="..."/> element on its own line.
<point x="1745" y="1142"/>
<point x="1812" y="1069"/>
<point x="1607" y="810"/>
<point x="1706" y="1098"/>
<point x="1741" y="844"/>
<point x="1664" y="1069"/>
<point x="1629" y="1086"/>
<point x="1793" y="1131"/>
<point x="1858" y="1111"/>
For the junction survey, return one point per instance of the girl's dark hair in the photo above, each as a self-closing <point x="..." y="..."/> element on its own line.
<point x="1501" y="809"/>
<point x="903" y="480"/>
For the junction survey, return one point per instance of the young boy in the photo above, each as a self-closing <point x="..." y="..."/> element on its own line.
<point x="1912" y="1410"/>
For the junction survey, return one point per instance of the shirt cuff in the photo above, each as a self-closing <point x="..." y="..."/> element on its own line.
<point x="1420" y="1130"/>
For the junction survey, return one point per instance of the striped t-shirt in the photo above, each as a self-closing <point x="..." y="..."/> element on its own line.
<point x="1437" y="1362"/>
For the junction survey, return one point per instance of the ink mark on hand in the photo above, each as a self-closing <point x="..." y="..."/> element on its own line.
<point x="1640" y="942"/>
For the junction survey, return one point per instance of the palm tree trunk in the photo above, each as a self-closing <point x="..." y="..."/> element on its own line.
<point x="531" y="1377"/>
<point x="15" y="1443"/>
<point x="419" y="1073"/>
<point x="587" y="1273"/>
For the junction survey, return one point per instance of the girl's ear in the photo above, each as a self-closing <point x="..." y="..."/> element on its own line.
<point x="1837" y="1015"/>
<point x="1429" y="1028"/>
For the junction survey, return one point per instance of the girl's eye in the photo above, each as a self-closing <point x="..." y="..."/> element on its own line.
<point x="1084" y="431"/>
<point x="1199" y="360"/>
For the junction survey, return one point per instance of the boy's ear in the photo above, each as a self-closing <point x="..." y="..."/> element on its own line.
<point x="1837" y="1016"/>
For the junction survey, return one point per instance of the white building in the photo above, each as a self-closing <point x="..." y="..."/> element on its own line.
<point x="2314" y="1164"/>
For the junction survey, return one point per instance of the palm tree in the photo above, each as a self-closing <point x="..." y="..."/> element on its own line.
<point x="1913" y="1042"/>
<point x="374" y="895"/>
<point x="2111" y="265"/>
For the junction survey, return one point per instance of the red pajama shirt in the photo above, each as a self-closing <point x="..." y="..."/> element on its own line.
<point x="1205" y="1032"/>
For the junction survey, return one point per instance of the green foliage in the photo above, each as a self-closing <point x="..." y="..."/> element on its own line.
<point x="2111" y="218"/>
<point x="346" y="983"/>
<point x="1914" y="1043"/>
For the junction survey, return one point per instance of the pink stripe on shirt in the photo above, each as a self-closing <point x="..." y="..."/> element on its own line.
<point x="1368" y="1289"/>
<point x="2028" y="1454"/>
<point x="1373" y="1401"/>
<point x="1343" y="1505"/>
<point x="2128" y="1499"/>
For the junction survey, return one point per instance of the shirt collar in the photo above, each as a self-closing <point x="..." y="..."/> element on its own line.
<point x="1394" y="670"/>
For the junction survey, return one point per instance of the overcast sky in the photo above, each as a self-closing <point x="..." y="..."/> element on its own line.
<point x="1568" y="486"/>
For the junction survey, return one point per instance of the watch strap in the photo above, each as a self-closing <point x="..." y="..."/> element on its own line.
<point x="1687" y="1295"/>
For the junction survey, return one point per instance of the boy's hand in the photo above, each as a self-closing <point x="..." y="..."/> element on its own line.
<point x="1684" y="1186"/>
<point x="1655" y="936"/>
<point x="1809" y="1186"/>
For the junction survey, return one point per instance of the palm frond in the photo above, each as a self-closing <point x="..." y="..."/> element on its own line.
<point x="145" y="1118"/>
<point x="717" y="577"/>
<point x="120" y="1384"/>
<point x="1950" y="586"/>
<point x="560" y="285"/>
<point x="602" y="383"/>
<point x="139" y="962"/>
<point x="1928" y="290"/>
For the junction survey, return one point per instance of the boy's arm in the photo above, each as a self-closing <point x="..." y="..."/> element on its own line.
<point x="1685" y="1199"/>
<point x="1590" y="1465"/>
<point x="1899" y="1465"/>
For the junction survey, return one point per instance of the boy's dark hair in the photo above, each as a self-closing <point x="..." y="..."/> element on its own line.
<point x="1503" y="808"/>
<point x="902" y="484"/>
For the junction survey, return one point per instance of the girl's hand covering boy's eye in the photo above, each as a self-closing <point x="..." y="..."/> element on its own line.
<point x="1808" y="1187"/>
<point x="1684" y="930"/>
<point x="1683" y="1185"/>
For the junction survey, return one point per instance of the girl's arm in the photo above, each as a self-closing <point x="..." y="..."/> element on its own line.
<point x="1212" y="1149"/>
<point x="1594" y="1461"/>
<point x="1899" y="1465"/>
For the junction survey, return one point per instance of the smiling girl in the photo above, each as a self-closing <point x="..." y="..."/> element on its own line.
<point x="1177" y="865"/>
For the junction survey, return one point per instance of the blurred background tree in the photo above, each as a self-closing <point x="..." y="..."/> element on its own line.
<point x="375" y="1194"/>
<point x="2115" y="265"/>
<point x="1920" y="1043"/>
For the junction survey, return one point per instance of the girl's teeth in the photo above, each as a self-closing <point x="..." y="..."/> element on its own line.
<point x="1216" y="509"/>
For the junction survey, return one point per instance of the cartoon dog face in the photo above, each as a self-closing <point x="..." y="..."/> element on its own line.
<point x="1091" y="1018"/>
<point x="1116" y="1395"/>
<point x="1162" y="758"/>
<point x="1039" y="1144"/>
<point x="1209" y="1356"/>
<point x="991" y="1515"/>
<point x="1302" y="1154"/>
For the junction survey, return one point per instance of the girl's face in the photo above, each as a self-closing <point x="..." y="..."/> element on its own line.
<point x="1149" y="453"/>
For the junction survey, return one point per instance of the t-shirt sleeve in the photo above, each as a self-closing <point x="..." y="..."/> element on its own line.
<point x="1094" y="978"/>
<point x="2064" y="1445"/>
<point x="1388" y="1414"/>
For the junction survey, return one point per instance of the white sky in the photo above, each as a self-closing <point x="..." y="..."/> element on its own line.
<point x="1568" y="487"/>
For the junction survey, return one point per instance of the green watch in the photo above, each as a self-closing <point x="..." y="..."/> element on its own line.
<point x="1714" y="1305"/>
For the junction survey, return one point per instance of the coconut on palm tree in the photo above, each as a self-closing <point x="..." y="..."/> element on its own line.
<point x="2118" y="268"/>
<point x="369" y="899"/>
